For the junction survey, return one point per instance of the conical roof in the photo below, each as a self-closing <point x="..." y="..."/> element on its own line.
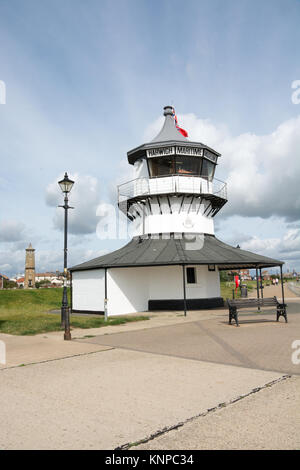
<point x="168" y="136"/>
<point x="169" y="130"/>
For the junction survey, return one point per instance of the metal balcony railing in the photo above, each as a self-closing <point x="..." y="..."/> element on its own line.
<point x="171" y="185"/>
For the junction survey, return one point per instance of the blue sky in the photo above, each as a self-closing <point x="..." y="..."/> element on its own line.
<point x="86" y="81"/>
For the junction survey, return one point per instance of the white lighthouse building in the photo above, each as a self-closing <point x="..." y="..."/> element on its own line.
<point x="174" y="258"/>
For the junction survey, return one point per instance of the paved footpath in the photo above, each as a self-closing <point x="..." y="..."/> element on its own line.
<point x="152" y="384"/>
<point x="270" y="291"/>
<point x="268" y="419"/>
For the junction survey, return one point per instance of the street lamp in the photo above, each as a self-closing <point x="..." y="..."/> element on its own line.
<point x="65" y="185"/>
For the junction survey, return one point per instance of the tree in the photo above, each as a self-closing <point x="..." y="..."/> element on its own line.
<point x="43" y="283"/>
<point x="224" y="276"/>
<point x="7" y="284"/>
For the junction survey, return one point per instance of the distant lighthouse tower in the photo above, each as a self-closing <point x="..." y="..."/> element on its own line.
<point x="29" y="268"/>
<point x="174" y="190"/>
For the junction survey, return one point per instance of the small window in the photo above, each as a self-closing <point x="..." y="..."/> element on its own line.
<point x="191" y="275"/>
<point x="210" y="155"/>
<point x="187" y="166"/>
<point x="161" y="166"/>
<point x="207" y="170"/>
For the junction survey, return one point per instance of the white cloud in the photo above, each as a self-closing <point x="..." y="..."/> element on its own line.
<point x="125" y="173"/>
<point x="291" y="241"/>
<point x="84" y="197"/>
<point x="266" y="246"/>
<point x="287" y="247"/>
<point x="11" y="231"/>
<point x="153" y="129"/>
<point x="262" y="172"/>
<point x="52" y="260"/>
<point x="13" y="261"/>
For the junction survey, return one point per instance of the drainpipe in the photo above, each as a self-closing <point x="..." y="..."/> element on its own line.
<point x="282" y="287"/>
<point x="105" y="294"/>
<point x="261" y="284"/>
<point x="257" y="286"/>
<point x="184" y="290"/>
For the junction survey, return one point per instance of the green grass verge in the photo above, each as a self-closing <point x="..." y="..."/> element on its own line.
<point x="228" y="286"/>
<point x="23" y="312"/>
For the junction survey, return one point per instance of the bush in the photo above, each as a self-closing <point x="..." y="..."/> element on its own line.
<point x="7" y="284"/>
<point x="224" y="276"/>
<point x="43" y="283"/>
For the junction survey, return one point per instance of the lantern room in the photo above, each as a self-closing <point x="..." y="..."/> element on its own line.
<point x="183" y="164"/>
<point x="171" y="154"/>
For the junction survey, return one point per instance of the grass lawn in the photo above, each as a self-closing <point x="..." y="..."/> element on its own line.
<point x="228" y="286"/>
<point x="23" y="312"/>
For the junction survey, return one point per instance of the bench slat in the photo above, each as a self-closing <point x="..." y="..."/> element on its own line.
<point x="269" y="301"/>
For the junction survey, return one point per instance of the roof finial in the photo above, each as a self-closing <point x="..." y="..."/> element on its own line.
<point x="168" y="111"/>
<point x="170" y="130"/>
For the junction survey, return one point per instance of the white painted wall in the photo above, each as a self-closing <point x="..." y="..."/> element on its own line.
<point x="140" y="169"/>
<point x="173" y="214"/>
<point x="88" y="290"/>
<point x="207" y="285"/>
<point x="129" y="289"/>
<point x="183" y="222"/>
<point x="165" y="282"/>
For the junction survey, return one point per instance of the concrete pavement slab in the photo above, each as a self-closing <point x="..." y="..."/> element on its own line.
<point x="106" y="399"/>
<point x="269" y="419"/>
<point x="51" y="346"/>
<point x="99" y="397"/>
<point x="259" y="343"/>
<point x="33" y="349"/>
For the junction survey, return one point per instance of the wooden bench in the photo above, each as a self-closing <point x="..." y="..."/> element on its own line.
<point x="236" y="304"/>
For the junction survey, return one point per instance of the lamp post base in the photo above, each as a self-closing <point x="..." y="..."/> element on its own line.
<point x="64" y="305"/>
<point x="65" y="312"/>
<point x="67" y="336"/>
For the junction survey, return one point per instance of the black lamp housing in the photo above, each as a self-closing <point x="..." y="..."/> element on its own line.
<point x="66" y="184"/>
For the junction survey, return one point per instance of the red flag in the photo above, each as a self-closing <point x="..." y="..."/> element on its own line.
<point x="182" y="131"/>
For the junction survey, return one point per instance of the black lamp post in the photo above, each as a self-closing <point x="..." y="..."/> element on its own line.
<point x="65" y="185"/>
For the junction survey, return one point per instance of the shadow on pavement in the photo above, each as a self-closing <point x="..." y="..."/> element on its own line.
<point x="259" y="343"/>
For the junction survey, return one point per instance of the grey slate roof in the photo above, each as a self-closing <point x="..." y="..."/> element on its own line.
<point x="143" y="251"/>
<point x="168" y="136"/>
<point x="169" y="131"/>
